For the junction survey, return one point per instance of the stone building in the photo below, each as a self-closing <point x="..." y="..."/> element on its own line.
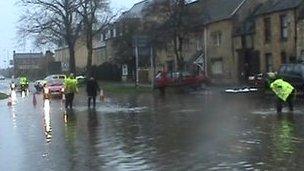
<point x="32" y="65"/>
<point x="269" y="37"/>
<point x="227" y="42"/>
<point x="211" y="43"/>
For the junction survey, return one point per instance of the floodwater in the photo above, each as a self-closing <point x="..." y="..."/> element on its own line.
<point x="206" y="130"/>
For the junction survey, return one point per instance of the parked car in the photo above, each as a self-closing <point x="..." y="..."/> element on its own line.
<point x="54" y="86"/>
<point x="294" y="74"/>
<point x="61" y="77"/>
<point x="81" y="79"/>
<point x="262" y="80"/>
<point x="177" y="79"/>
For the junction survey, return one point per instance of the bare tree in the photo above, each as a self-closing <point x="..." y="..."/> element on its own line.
<point x="96" y="16"/>
<point x="168" y="23"/>
<point x="52" y="22"/>
<point x="123" y="44"/>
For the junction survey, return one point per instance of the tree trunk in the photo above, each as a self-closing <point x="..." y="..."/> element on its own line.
<point x="72" y="62"/>
<point x="178" y="50"/>
<point x="90" y="52"/>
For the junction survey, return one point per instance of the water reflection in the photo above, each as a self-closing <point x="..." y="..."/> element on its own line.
<point x="70" y="125"/>
<point x="14" y="117"/>
<point x="179" y="132"/>
<point x="92" y="120"/>
<point x="23" y="94"/>
<point x="284" y="135"/>
<point x="47" y="120"/>
<point x="13" y="97"/>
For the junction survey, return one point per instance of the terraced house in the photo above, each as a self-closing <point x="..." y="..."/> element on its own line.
<point x="244" y="37"/>
<point x="211" y="45"/>
<point x="271" y="36"/>
<point x="228" y="40"/>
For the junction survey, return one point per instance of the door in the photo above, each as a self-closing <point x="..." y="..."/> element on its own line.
<point x="249" y="64"/>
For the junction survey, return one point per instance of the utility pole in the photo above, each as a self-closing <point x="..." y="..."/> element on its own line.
<point x="136" y="61"/>
<point x="205" y="48"/>
<point x="152" y="66"/>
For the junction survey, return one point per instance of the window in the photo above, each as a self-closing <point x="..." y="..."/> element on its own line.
<point x="114" y="32"/>
<point x="217" y="66"/>
<point x="269" y="62"/>
<point x="102" y="37"/>
<point x="283" y="57"/>
<point x="249" y="41"/>
<point x="98" y="37"/>
<point x="217" y="38"/>
<point x="267" y="30"/>
<point x="199" y="43"/>
<point x="108" y="34"/>
<point x="284" y="27"/>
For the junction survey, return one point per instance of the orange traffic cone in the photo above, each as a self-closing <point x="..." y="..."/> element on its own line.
<point x="34" y="99"/>
<point x="102" y="97"/>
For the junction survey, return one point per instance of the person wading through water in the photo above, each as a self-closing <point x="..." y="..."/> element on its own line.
<point x="70" y="88"/>
<point x="92" y="89"/>
<point x="285" y="92"/>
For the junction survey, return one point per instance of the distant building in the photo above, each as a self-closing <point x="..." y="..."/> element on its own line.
<point x="33" y="65"/>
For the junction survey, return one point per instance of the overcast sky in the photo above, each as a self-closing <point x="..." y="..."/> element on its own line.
<point x="9" y="17"/>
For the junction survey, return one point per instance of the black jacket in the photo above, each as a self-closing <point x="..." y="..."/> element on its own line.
<point x="92" y="87"/>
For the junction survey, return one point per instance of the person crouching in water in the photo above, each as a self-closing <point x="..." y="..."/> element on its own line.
<point x="92" y="89"/>
<point x="285" y="92"/>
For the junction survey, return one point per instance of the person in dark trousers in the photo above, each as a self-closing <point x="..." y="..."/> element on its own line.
<point x="70" y="88"/>
<point x="285" y="92"/>
<point x="92" y="89"/>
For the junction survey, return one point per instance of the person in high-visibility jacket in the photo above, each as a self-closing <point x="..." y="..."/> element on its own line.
<point x="285" y="92"/>
<point x="24" y="84"/>
<point x="70" y="88"/>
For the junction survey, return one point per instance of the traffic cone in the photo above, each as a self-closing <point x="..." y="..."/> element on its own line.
<point x="34" y="99"/>
<point x="102" y="97"/>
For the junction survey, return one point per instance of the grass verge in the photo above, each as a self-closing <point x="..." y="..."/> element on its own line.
<point x="121" y="88"/>
<point x="3" y="96"/>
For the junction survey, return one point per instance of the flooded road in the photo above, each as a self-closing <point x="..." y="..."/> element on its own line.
<point x="206" y="130"/>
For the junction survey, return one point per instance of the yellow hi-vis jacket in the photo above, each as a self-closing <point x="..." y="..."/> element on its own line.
<point x="70" y="85"/>
<point x="281" y="88"/>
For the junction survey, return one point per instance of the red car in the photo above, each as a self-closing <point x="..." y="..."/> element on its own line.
<point x="163" y="80"/>
<point x="54" y="88"/>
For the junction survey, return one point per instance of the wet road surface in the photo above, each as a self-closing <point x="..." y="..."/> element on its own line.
<point x="206" y="130"/>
